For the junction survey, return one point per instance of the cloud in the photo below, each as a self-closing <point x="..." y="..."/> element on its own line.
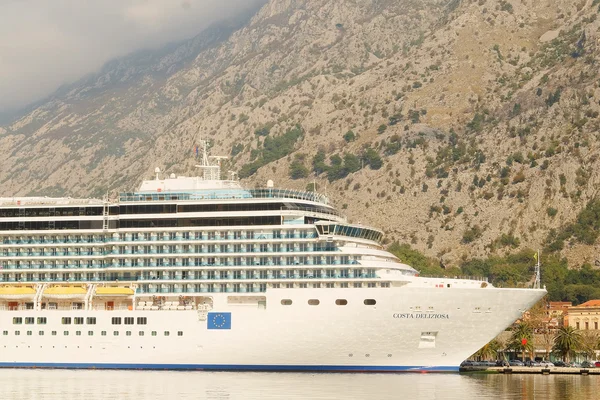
<point x="44" y="44"/>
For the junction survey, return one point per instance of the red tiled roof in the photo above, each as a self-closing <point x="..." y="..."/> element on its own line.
<point x="591" y="303"/>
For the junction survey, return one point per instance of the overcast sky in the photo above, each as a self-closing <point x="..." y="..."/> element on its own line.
<point x="45" y="43"/>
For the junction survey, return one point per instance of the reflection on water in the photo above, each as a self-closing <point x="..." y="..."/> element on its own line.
<point x="137" y="385"/>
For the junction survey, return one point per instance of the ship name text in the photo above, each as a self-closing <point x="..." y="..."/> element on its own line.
<point x="420" y="316"/>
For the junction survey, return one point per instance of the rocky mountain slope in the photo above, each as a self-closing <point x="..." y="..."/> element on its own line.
<point x="461" y="127"/>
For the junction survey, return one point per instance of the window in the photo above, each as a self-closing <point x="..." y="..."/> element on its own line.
<point x="128" y="320"/>
<point x="141" y="333"/>
<point x="103" y="333"/>
<point x="286" y="302"/>
<point x="341" y="302"/>
<point x="370" y="302"/>
<point x="180" y="333"/>
<point x="78" y="333"/>
<point x="5" y="333"/>
<point x="78" y="320"/>
<point x="128" y="333"/>
<point x="66" y="333"/>
<point x="91" y="320"/>
<point x="66" y="320"/>
<point x="29" y="320"/>
<point x="90" y="333"/>
<point x="153" y="333"/>
<point x="29" y="333"/>
<point x="42" y="321"/>
<point x="53" y="333"/>
<point x="17" y="333"/>
<point x="313" y="302"/>
<point x="142" y="320"/>
<point x="116" y="333"/>
<point x="167" y="333"/>
<point x="41" y="333"/>
<point x="116" y="320"/>
<point x="17" y="320"/>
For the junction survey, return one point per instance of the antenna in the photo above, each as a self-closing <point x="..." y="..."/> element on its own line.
<point x="538" y="280"/>
<point x="211" y="166"/>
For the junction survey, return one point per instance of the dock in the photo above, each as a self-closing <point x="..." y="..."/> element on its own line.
<point x="533" y="370"/>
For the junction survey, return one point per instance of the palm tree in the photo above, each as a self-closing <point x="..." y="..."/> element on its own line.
<point x="567" y="341"/>
<point x="522" y="338"/>
<point x="489" y="351"/>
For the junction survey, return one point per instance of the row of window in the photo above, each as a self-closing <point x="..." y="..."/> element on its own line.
<point x="270" y="257"/>
<point x="231" y="194"/>
<point x="29" y="225"/>
<point x="30" y="320"/>
<point x="91" y="333"/>
<point x="292" y="247"/>
<point x="343" y="273"/>
<point x="155" y="209"/>
<point x="129" y="320"/>
<point x="339" y="302"/>
<point x="80" y="320"/>
<point x="166" y="236"/>
<point x="49" y="212"/>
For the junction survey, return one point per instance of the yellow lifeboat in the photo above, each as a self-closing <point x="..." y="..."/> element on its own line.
<point x="16" y="292"/>
<point x="114" y="291"/>
<point x="65" y="292"/>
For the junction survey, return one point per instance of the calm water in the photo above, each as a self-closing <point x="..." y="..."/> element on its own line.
<point x="108" y="385"/>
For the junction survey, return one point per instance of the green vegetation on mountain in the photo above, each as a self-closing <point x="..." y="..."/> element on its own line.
<point x="272" y="149"/>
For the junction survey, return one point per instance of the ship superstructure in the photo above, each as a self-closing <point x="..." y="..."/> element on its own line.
<point x="201" y="273"/>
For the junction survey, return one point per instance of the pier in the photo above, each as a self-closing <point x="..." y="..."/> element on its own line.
<point x="533" y="370"/>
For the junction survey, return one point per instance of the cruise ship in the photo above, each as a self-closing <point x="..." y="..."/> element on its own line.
<point x="201" y="273"/>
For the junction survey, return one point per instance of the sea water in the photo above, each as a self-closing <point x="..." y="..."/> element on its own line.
<point x="21" y="384"/>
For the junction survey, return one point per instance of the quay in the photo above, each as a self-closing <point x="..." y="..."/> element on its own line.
<point x="533" y="370"/>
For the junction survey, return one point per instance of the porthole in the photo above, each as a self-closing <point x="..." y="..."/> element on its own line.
<point x="286" y="302"/>
<point x="341" y="302"/>
<point x="370" y="302"/>
<point x="313" y="302"/>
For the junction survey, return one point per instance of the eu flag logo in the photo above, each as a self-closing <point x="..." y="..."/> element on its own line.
<point x="219" y="320"/>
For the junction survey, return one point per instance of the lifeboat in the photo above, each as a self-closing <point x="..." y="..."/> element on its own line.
<point x="114" y="291"/>
<point x="65" y="292"/>
<point x="16" y="292"/>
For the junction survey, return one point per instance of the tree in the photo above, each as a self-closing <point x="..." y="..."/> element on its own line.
<point x="351" y="162"/>
<point x="298" y="170"/>
<point x="318" y="163"/>
<point x="349" y="136"/>
<point x="567" y="341"/>
<point x="372" y="158"/>
<point x="489" y="351"/>
<point x="589" y="344"/>
<point x="522" y="338"/>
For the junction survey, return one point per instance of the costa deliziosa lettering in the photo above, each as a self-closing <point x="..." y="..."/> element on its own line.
<point x="421" y="316"/>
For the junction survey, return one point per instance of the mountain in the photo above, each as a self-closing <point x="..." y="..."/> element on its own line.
<point x="465" y="128"/>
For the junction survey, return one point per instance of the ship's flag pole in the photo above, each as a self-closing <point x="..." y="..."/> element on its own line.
<point x="537" y="283"/>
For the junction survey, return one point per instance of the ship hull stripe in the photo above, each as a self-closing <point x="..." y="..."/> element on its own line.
<point x="234" y="367"/>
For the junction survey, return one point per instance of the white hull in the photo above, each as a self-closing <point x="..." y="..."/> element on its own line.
<point x="387" y="336"/>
